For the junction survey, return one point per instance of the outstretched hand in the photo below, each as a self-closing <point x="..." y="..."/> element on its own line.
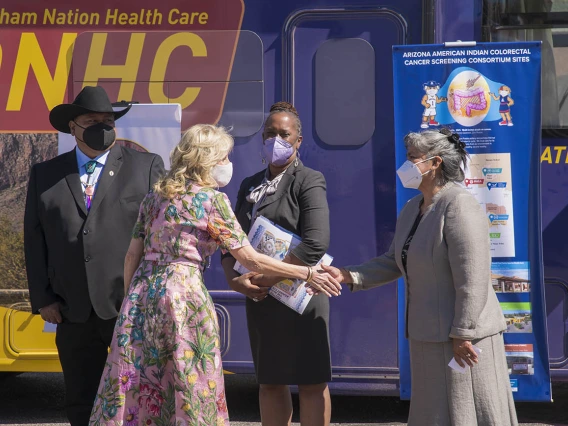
<point x="334" y="272"/>
<point x="337" y="274"/>
<point x="323" y="282"/>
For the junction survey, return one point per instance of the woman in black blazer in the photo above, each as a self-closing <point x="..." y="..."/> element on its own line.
<point x="287" y="348"/>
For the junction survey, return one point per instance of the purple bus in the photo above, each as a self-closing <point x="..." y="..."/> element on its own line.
<point x="290" y="50"/>
<point x="355" y="152"/>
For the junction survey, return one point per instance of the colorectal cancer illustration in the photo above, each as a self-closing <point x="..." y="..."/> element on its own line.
<point x="468" y="98"/>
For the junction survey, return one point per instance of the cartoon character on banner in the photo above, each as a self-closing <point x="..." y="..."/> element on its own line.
<point x="505" y="103"/>
<point x="430" y="100"/>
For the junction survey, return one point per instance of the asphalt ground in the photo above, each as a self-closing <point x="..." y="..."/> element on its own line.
<point x="37" y="399"/>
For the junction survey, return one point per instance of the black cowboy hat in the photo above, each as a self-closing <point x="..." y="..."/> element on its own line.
<point x="90" y="99"/>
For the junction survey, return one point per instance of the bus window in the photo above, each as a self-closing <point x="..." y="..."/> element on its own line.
<point x="344" y="80"/>
<point x="545" y="20"/>
<point x="216" y="76"/>
<point x="243" y="109"/>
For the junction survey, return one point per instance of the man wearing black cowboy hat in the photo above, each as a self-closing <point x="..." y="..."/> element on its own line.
<point x="80" y="210"/>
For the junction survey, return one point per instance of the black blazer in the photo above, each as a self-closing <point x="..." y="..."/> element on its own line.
<point x="299" y="205"/>
<point x="78" y="258"/>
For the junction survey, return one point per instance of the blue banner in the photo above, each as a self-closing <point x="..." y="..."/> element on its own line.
<point x="489" y="94"/>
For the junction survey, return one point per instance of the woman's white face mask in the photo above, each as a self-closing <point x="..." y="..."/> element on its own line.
<point x="410" y="175"/>
<point x="222" y="173"/>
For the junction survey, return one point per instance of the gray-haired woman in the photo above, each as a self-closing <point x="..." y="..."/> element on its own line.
<point x="441" y="247"/>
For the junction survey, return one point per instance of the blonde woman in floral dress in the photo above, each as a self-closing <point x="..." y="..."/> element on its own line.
<point x="164" y="366"/>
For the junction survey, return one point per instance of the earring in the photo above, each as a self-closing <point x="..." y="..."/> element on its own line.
<point x="296" y="162"/>
<point x="263" y="158"/>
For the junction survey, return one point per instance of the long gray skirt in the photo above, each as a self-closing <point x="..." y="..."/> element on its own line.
<point x="443" y="397"/>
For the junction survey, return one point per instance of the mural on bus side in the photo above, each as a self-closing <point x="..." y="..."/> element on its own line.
<point x="160" y="55"/>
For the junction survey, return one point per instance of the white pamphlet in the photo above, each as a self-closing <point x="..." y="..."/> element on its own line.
<point x="455" y="366"/>
<point x="272" y="240"/>
<point x="49" y="327"/>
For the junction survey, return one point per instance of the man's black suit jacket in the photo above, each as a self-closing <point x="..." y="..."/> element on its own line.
<point x="76" y="257"/>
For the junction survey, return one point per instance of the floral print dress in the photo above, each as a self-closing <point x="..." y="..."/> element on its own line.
<point x="164" y="365"/>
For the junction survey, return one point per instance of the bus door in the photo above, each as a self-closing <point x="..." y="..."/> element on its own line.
<point x="29" y="343"/>
<point x="338" y="74"/>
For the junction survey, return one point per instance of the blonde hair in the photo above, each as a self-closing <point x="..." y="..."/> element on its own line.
<point x="200" y="149"/>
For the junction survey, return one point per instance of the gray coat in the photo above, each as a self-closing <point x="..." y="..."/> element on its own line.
<point x="448" y="284"/>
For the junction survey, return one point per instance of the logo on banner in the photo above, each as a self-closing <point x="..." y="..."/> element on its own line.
<point x="467" y="98"/>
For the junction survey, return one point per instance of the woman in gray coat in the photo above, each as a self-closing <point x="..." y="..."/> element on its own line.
<point x="441" y="247"/>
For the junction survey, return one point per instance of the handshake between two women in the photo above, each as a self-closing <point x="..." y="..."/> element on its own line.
<point x="320" y="279"/>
